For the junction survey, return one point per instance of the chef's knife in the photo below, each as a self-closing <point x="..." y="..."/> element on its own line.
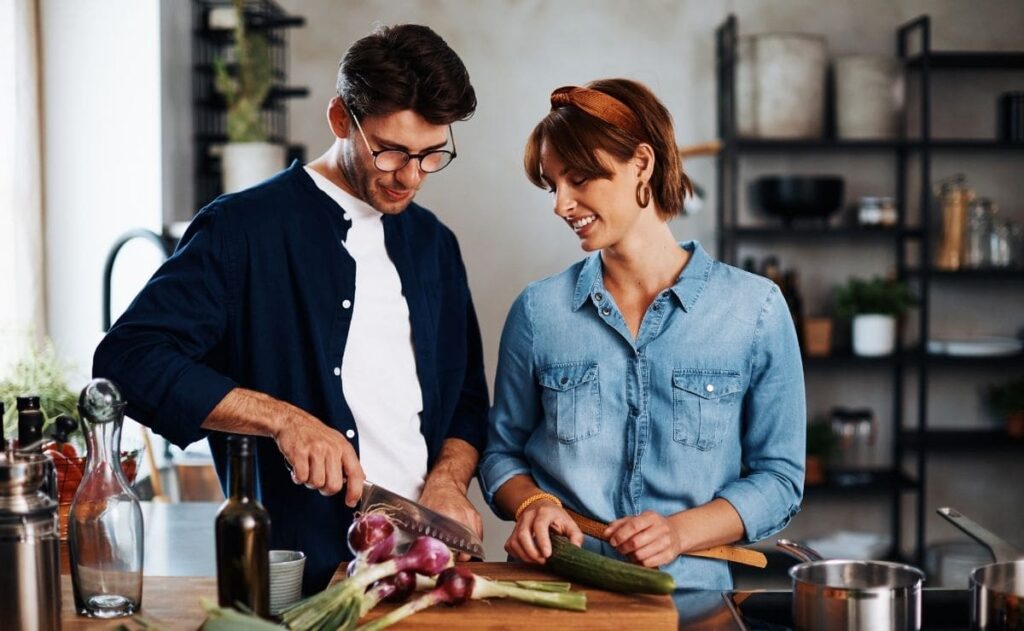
<point x="417" y="519"/>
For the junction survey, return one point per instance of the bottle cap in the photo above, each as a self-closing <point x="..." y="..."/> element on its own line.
<point x="28" y="403"/>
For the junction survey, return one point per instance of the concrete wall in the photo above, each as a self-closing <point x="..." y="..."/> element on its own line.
<point x="517" y="51"/>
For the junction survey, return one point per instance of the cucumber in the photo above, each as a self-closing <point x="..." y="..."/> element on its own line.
<point x="602" y="572"/>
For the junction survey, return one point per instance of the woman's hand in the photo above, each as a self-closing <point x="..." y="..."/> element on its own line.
<point x="647" y="539"/>
<point x="530" y="540"/>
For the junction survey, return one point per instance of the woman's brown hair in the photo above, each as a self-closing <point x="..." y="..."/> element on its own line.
<point x="576" y="135"/>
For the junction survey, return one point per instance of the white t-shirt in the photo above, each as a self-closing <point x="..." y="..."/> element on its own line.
<point x="378" y="370"/>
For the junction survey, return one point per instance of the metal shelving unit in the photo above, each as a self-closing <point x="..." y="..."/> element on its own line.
<point x="893" y="482"/>
<point x="209" y="122"/>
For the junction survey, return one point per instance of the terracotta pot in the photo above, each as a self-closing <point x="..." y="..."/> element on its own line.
<point x="1015" y="425"/>
<point x="814" y="471"/>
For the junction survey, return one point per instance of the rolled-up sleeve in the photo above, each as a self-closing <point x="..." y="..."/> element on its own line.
<point x="774" y="427"/>
<point x="155" y="351"/>
<point x="516" y="410"/>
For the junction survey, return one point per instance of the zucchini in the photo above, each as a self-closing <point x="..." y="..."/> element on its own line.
<point x="602" y="572"/>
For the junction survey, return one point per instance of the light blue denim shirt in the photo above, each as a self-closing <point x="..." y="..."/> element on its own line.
<point x="707" y="402"/>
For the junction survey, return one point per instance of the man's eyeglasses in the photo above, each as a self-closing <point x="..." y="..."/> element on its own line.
<point x="390" y="160"/>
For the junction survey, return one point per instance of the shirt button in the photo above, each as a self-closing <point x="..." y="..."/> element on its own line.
<point x="633" y="411"/>
<point x="337" y="371"/>
<point x="346" y="303"/>
<point x="664" y="294"/>
<point x="563" y="380"/>
<point x="657" y="307"/>
<point x="606" y="312"/>
<point x="709" y="388"/>
<point x="599" y="296"/>
<point x="346" y="217"/>
<point x="351" y="433"/>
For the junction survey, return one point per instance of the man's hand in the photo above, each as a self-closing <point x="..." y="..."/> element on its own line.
<point x="445" y="488"/>
<point x="647" y="539"/>
<point x="318" y="456"/>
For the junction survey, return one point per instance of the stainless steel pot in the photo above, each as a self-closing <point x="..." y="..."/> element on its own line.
<point x="997" y="589"/>
<point x="851" y="595"/>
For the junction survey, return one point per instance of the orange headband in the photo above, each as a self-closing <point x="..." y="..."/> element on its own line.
<point x="601" y="106"/>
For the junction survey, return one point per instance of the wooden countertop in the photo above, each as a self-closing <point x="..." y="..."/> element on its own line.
<point x="174" y="603"/>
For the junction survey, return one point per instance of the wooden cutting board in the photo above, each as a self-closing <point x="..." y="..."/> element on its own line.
<point x="605" y="610"/>
<point x="174" y="603"/>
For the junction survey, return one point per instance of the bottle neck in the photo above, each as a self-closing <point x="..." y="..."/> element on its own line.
<point x="103" y="441"/>
<point x="242" y="474"/>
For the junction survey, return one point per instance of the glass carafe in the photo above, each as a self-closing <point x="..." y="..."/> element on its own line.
<point x="981" y="223"/>
<point x="105" y="526"/>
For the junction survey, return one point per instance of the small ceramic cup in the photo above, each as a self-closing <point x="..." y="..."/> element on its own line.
<point x="285" y="579"/>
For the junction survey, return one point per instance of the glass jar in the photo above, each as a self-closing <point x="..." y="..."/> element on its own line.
<point x="978" y="245"/>
<point x="105" y="525"/>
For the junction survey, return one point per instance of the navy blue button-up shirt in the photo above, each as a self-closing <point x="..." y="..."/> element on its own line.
<point x="253" y="297"/>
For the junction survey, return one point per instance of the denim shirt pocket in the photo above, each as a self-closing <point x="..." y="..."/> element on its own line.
<point x="571" y="397"/>
<point x="703" y="401"/>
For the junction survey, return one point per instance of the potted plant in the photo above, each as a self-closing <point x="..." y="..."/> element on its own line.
<point x="874" y="306"/>
<point x="247" y="158"/>
<point x="1007" y="401"/>
<point x="821" y="443"/>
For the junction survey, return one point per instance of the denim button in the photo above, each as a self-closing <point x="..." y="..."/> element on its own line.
<point x="563" y="380"/>
<point x="664" y="294"/>
<point x="633" y="411"/>
<point x="657" y="307"/>
<point x="606" y="311"/>
<point x="599" y="296"/>
<point x="709" y="387"/>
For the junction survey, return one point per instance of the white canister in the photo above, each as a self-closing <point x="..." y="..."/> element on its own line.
<point x="874" y="334"/>
<point x="869" y="97"/>
<point x="780" y="85"/>
<point x="247" y="163"/>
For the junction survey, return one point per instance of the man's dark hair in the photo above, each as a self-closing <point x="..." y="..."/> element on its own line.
<point x="406" y="67"/>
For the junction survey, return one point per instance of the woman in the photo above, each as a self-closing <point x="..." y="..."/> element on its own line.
<point x="648" y="386"/>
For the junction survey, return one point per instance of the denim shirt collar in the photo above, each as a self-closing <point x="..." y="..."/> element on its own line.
<point x="688" y="287"/>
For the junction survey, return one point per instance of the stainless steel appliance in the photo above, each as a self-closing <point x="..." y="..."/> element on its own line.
<point x="29" y="544"/>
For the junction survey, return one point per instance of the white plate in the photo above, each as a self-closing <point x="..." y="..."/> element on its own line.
<point x="977" y="347"/>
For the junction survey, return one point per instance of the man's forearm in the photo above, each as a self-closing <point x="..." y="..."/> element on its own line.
<point x="244" y="411"/>
<point x="456" y="463"/>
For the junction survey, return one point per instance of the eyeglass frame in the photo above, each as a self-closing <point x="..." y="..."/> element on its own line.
<point x="408" y="156"/>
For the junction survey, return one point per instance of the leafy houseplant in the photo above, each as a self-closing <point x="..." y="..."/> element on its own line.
<point x="245" y="89"/>
<point x="877" y="296"/>
<point x="874" y="305"/>
<point x="247" y="158"/>
<point x="1007" y="401"/>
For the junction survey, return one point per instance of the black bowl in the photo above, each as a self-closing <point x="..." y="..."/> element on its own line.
<point x="800" y="196"/>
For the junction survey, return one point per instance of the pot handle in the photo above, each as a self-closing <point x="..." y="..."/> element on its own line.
<point x="798" y="550"/>
<point x="1000" y="549"/>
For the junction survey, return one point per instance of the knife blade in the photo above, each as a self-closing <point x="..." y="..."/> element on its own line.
<point x="415" y="518"/>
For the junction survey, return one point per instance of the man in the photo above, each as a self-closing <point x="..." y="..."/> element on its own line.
<point x="325" y="312"/>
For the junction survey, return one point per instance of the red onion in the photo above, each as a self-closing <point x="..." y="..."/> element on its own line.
<point x="371" y="535"/>
<point x="404" y="585"/>
<point x="455" y="585"/>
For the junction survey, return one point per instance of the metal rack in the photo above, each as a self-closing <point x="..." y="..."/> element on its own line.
<point x="918" y="439"/>
<point x="209" y="119"/>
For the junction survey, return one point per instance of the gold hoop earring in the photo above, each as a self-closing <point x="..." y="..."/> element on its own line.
<point x="643" y="194"/>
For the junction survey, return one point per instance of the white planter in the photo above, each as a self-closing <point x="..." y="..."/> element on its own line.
<point x="247" y="163"/>
<point x="869" y="96"/>
<point x="874" y="335"/>
<point x="780" y="85"/>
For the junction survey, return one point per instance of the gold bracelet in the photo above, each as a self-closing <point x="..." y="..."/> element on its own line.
<point x="533" y="498"/>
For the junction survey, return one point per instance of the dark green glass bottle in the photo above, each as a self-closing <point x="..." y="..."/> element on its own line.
<point x="243" y="535"/>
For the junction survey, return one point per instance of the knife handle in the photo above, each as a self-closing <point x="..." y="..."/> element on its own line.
<point x="735" y="554"/>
